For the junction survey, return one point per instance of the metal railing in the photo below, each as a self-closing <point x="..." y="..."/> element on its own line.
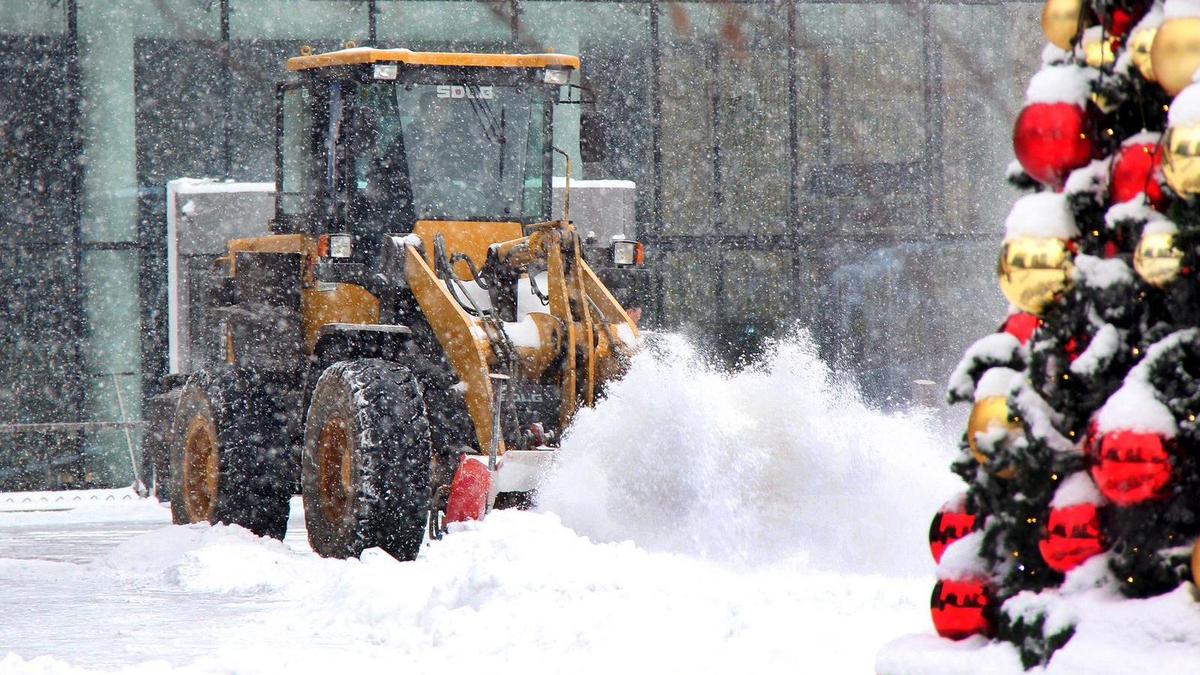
<point x="124" y="424"/>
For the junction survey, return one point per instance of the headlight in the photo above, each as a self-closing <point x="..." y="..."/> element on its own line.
<point x="559" y="77"/>
<point x="339" y="246"/>
<point x="627" y="252"/>
<point x="333" y="246"/>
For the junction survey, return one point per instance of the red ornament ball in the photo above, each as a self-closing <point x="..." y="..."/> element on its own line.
<point x="1021" y="326"/>
<point x="1053" y="139"/>
<point x="951" y="523"/>
<point x="1136" y="169"/>
<point x="1072" y="536"/>
<point x="1131" y="467"/>
<point x="960" y="608"/>
<point x="1119" y="21"/>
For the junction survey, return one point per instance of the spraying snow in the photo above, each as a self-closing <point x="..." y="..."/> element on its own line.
<point x="781" y="460"/>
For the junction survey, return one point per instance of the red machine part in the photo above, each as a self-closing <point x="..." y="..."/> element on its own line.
<point x="468" y="491"/>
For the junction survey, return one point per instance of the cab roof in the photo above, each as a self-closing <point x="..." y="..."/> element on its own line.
<point x="367" y="55"/>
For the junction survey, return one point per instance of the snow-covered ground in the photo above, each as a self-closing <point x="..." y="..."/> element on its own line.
<point x="766" y="522"/>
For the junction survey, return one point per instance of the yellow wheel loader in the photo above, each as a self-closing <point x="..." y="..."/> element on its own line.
<point x="409" y="343"/>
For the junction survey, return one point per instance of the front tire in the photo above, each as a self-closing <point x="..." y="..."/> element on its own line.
<point x="230" y="461"/>
<point x="366" y="464"/>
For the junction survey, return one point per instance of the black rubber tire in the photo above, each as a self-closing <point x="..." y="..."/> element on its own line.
<point x="374" y="411"/>
<point x="155" y="467"/>
<point x="255" y="462"/>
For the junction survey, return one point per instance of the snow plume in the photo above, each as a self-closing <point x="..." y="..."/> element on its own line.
<point x="781" y="460"/>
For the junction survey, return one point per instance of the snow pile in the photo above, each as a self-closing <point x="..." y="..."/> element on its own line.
<point x="1178" y="9"/>
<point x="1160" y="226"/>
<point x="1143" y="138"/>
<point x="997" y="382"/>
<point x="1042" y="419"/>
<point x="518" y="592"/>
<point x="1153" y="18"/>
<point x="1134" y="407"/>
<point x="993" y="349"/>
<point x="1091" y="179"/>
<point x="1076" y="489"/>
<point x="961" y="560"/>
<point x="1100" y="351"/>
<point x="1042" y="214"/>
<point x="781" y="460"/>
<point x="1112" y="634"/>
<point x="1060" y="84"/>
<point x="1102" y="273"/>
<point x="1185" y="108"/>
<point x="1135" y="209"/>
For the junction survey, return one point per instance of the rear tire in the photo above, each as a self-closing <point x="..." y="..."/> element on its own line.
<point x="230" y="460"/>
<point x="366" y="462"/>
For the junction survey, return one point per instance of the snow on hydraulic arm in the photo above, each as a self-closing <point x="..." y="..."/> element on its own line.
<point x="411" y="341"/>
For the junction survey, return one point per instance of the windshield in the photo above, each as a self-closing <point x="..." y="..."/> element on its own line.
<point x="447" y="152"/>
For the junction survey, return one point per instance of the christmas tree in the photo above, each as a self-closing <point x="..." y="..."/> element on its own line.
<point x="1080" y="454"/>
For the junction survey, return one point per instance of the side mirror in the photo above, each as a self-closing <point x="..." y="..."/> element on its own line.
<point x="593" y="136"/>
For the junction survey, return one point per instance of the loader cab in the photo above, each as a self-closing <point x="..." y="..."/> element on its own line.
<point x="374" y="141"/>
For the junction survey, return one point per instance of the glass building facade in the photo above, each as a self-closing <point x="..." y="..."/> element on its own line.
<point x="837" y="165"/>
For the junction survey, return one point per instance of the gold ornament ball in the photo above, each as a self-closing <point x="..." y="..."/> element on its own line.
<point x="1181" y="158"/>
<point x="1033" y="270"/>
<point x="1062" y="21"/>
<point x="1175" y="53"/>
<point x="1156" y="259"/>
<point x="1139" y="51"/>
<point x="989" y="413"/>
<point x="1097" y="52"/>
